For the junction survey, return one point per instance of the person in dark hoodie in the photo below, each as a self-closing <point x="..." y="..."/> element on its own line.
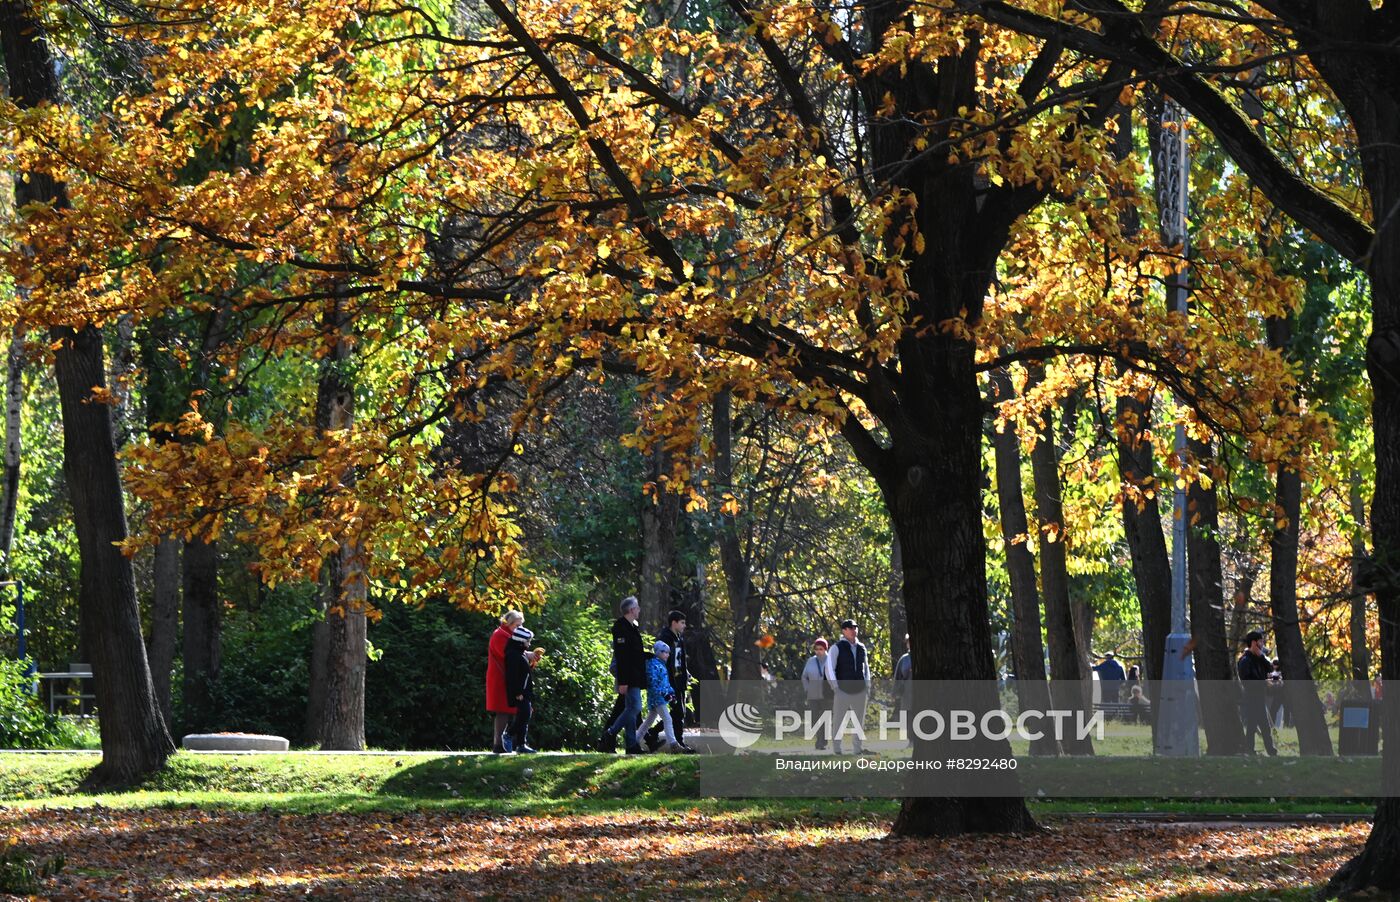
<point x="520" y="672"/>
<point x="630" y="661"/>
<point x="680" y="679"/>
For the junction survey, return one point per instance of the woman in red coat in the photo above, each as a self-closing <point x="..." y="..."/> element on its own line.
<point x="497" y="699"/>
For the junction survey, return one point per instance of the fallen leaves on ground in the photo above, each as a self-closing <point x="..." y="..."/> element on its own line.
<point x="190" y="854"/>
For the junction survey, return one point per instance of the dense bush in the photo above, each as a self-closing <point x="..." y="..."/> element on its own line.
<point x="426" y="688"/>
<point x="24" y="724"/>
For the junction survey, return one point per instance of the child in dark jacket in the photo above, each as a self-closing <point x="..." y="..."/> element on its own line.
<point x="660" y="695"/>
<point x="520" y="665"/>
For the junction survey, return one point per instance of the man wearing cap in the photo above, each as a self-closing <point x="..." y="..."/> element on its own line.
<point x="1111" y="677"/>
<point x="1253" y="668"/>
<point x="848" y="672"/>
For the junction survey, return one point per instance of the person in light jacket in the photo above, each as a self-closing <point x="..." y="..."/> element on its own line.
<point x="817" y="689"/>
<point x="848" y="672"/>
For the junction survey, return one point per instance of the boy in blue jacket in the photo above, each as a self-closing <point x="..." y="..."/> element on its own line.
<point x="660" y="695"/>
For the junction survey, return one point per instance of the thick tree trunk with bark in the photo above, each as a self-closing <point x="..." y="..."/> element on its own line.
<point x="745" y="600"/>
<point x="1369" y="86"/>
<point x="660" y="514"/>
<point x="203" y="618"/>
<point x="1214" y="661"/>
<point x="134" y="739"/>
<point x="937" y="512"/>
<point x="1066" y="657"/>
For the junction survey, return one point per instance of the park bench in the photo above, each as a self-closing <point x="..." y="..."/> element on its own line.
<point x="59" y="680"/>
<point x="1119" y="710"/>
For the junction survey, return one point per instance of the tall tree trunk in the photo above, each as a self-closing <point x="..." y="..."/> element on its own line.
<point x="1360" y="586"/>
<point x="336" y="703"/>
<point x="660" y="514"/>
<point x="1032" y="691"/>
<point x="1214" y="659"/>
<point x="894" y="596"/>
<point x="936" y="508"/>
<point x="1372" y="95"/>
<point x="134" y="739"/>
<point x="745" y="600"/>
<point x="1066" y="657"/>
<point x="202" y="615"/>
<point x="14" y="410"/>
<point x="1298" y="686"/>
<point x="163" y="405"/>
<point x="1142" y="518"/>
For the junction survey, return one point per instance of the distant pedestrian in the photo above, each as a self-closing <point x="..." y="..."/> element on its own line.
<point x="520" y="687"/>
<point x="848" y="671"/>
<point x="497" y="696"/>
<point x="1111" y="677"/>
<point x="1139" y="709"/>
<point x="1253" y="669"/>
<point x="660" y="695"/>
<point x="818" y="690"/>
<point x="630" y="662"/>
<point x="1134" y="677"/>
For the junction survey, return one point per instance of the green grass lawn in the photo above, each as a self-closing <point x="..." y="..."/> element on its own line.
<point x="303" y="782"/>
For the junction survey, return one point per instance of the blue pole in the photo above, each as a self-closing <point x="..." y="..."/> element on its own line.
<point x="21" y="643"/>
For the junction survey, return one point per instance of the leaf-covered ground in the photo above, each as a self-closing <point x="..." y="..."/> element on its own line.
<point x="195" y="854"/>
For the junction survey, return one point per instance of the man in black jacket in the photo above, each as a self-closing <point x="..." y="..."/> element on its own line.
<point x="630" y="670"/>
<point x="1253" y="669"/>
<point x="680" y="679"/>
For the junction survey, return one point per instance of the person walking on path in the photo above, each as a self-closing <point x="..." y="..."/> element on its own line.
<point x="1111" y="677"/>
<point x="497" y="695"/>
<point x="660" y="695"/>
<point x="679" y="675"/>
<point x="1253" y="669"/>
<point x="818" y="690"/>
<point x="848" y="671"/>
<point x="630" y="660"/>
<point x="520" y="686"/>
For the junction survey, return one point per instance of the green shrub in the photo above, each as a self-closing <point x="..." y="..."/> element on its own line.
<point x="427" y="687"/>
<point x="24" y="724"/>
<point x="428" y="690"/>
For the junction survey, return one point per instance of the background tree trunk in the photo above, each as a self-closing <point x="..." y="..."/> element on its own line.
<point x="1032" y="691"/>
<point x="134" y="739"/>
<point x="202" y="615"/>
<point x="899" y="621"/>
<point x="745" y="600"/>
<point x="165" y="622"/>
<point x="660" y="514"/>
<point x="336" y="700"/>
<point x="1066" y="657"/>
<point x="1298" y="686"/>
<point x="1214" y="659"/>
<point x="14" y="411"/>
<point x="1360" y="586"/>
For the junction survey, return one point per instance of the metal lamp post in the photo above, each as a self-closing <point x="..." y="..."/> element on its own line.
<point x="1176" y="697"/>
